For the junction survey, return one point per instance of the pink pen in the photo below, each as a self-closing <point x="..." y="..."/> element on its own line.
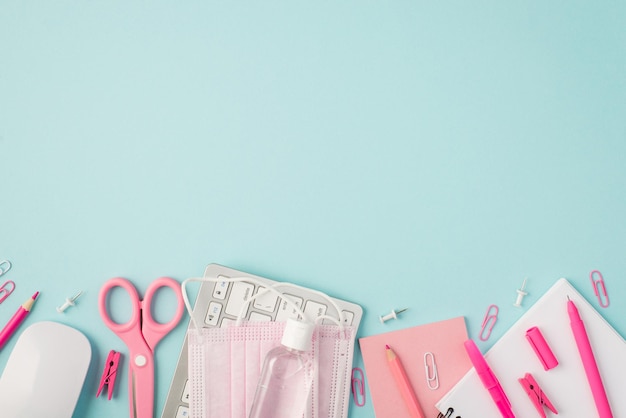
<point x="14" y="323"/>
<point x="589" y="361"/>
<point x="488" y="379"/>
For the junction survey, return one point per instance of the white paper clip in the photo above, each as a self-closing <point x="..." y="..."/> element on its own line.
<point x="488" y="322"/>
<point x="520" y="295"/>
<point x="5" y="265"/>
<point x="599" y="282"/>
<point x="432" y="377"/>
<point x="391" y="315"/>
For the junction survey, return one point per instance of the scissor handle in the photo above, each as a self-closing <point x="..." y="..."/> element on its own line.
<point x="134" y="322"/>
<point x="154" y="331"/>
<point x="141" y="320"/>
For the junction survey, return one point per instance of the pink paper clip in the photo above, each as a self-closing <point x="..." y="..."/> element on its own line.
<point x="488" y="323"/>
<point x="599" y="282"/>
<point x="358" y="387"/>
<point x="6" y="289"/>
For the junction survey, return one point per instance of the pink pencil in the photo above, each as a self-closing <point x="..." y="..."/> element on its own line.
<point x="14" y="323"/>
<point x="404" y="385"/>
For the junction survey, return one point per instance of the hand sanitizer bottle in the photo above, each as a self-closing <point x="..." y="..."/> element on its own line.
<point x="285" y="381"/>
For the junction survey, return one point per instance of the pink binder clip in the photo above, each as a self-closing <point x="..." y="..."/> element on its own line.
<point x="597" y="284"/>
<point x="489" y="322"/>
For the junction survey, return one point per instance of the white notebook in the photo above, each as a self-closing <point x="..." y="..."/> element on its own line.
<point x="566" y="385"/>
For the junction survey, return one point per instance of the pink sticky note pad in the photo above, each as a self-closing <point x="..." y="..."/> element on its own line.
<point x="444" y="339"/>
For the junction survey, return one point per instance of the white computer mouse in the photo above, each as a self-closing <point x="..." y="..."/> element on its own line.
<point x="45" y="372"/>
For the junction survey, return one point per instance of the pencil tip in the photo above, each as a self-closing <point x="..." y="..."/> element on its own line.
<point x="387" y="347"/>
<point x="35" y="295"/>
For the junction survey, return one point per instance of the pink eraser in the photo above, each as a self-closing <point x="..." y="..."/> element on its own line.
<point x="541" y="347"/>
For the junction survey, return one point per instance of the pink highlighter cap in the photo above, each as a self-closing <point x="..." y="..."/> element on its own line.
<point x="541" y="347"/>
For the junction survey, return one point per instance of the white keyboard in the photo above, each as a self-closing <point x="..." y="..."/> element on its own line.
<point x="219" y="303"/>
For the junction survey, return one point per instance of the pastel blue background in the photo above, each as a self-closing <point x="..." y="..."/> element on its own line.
<point x="396" y="154"/>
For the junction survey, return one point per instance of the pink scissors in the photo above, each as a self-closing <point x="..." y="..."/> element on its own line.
<point x="141" y="335"/>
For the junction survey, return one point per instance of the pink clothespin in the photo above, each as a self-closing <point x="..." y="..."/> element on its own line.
<point x="109" y="373"/>
<point x="536" y="395"/>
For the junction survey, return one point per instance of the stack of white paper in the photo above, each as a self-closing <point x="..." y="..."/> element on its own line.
<point x="566" y="385"/>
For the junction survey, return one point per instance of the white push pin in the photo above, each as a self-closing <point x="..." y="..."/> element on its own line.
<point x="520" y="295"/>
<point x="392" y="315"/>
<point x="69" y="302"/>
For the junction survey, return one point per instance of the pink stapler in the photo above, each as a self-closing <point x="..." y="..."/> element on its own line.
<point x="536" y="395"/>
<point x="109" y="373"/>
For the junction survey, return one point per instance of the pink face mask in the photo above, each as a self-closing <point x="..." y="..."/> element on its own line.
<point x="225" y="366"/>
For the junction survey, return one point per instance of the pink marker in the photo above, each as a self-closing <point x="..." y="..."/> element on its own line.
<point x="14" y="323"/>
<point x="589" y="361"/>
<point x="488" y="379"/>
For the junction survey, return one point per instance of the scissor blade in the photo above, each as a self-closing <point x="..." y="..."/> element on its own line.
<point x="134" y="397"/>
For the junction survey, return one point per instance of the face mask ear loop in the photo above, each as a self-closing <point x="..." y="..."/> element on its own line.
<point x="266" y="289"/>
<point x="213" y="279"/>
<point x="340" y="313"/>
<point x="183" y="288"/>
<point x="330" y="318"/>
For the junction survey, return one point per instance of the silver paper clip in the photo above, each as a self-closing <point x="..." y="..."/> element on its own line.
<point x="432" y="378"/>
<point x="6" y="289"/>
<point x="358" y="386"/>
<point x="488" y="322"/>
<point x="599" y="282"/>
<point x="5" y="265"/>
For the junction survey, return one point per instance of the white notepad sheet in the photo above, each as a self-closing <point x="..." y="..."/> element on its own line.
<point x="566" y="385"/>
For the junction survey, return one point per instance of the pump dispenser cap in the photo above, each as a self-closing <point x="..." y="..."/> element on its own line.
<point x="297" y="335"/>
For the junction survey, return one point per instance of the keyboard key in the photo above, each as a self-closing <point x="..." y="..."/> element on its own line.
<point x="239" y="293"/>
<point x="228" y="322"/>
<point x="185" y="397"/>
<point x="286" y="311"/>
<point x="213" y="314"/>
<point x="220" y="289"/>
<point x="313" y="309"/>
<point x="182" y="412"/>
<point x="259" y="317"/>
<point x="348" y="317"/>
<point x="266" y="302"/>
